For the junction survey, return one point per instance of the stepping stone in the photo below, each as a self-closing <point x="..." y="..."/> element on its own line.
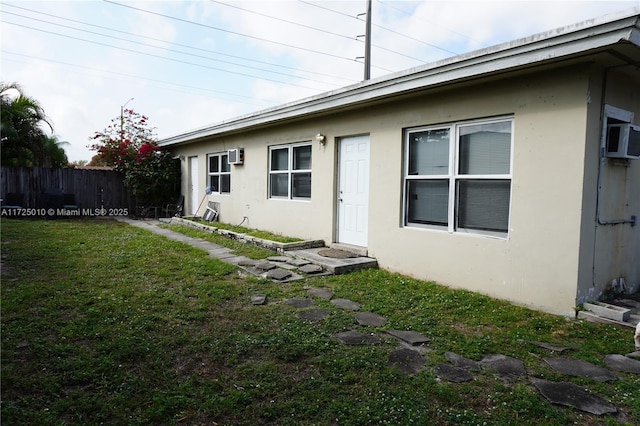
<point x="297" y="262"/>
<point x="356" y="338"/>
<point x="564" y="393"/>
<point x="574" y="367"/>
<point x="453" y="374"/>
<point x="410" y="337"/>
<point x="505" y="366"/>
<point x="259" y="299"/>
<point x="406" y="360"/>
<point x="265" y="266"/>
<point x="313" y="315"/>
<point x="548" y="346"/>
<point x="278" y="274"/>
<point x="283" y="259"/>
<point x="635" y="355"/>
<point x="622" y="363"/>
<point x="346" y="304"/>
<point x="299" y="302"/>
<point x="247" y="262"/>
<point x="462" y="362"/>
<point x="311" y="269"/>
<point x="369" y="319"/>
<point x="322" y="293"/>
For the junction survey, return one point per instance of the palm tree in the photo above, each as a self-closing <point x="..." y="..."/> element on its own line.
<point x="22" y="138"/>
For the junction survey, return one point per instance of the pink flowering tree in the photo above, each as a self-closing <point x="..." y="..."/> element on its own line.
<point x="128" y="145"/>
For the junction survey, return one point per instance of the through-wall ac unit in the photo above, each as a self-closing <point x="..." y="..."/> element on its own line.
<point x="236" y="156"/>
<point x="623" y="141"/>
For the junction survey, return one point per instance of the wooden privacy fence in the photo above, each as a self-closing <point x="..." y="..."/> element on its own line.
<point x="92" y="189"/>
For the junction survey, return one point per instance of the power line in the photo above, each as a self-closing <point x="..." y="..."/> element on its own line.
<point x="389" y="4"/>
<point x="286" y="21"/>
<point x="230" y="32"/>
<point x="179" y="44"/>
<point x="169" y="50"/>
<point x="138" y="77"/>
<point x="158" y="56"/>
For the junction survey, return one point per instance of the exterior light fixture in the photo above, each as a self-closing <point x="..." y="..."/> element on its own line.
<point x="321" y="139"/>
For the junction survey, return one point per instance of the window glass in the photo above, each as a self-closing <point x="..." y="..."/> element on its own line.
<point x="279" y="185"/>
<point x="485" y="149"/>
<point x="214" y="183"/>
<point x="302" y="157"/>
<point x="301" y="185"/>
<point x="484" y="204"/>
<point x="429" y="152"/>
<point x="213" y="164"/>
<point x="280" y="159"/>
<point x="428" y="201"/>
<point x="225" y="183"/>
<point x="474" y="195"/>
<point x="225" y="166"/>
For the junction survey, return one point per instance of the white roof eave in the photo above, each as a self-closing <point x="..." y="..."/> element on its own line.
<point x="537" y="49"/>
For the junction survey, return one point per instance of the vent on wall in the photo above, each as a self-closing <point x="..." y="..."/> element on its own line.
<point x="236" y="156"/>
<point x="623" y="141"/>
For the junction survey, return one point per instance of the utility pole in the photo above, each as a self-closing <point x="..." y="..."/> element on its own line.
<point x="367" y="44"/>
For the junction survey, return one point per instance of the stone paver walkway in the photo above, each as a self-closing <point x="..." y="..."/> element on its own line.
<point x="409" y="358"/>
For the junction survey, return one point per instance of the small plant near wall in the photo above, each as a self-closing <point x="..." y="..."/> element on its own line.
<point x="128" y="145"/>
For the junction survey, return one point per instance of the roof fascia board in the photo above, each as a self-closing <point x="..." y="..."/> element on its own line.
<point x="551" y="45"/>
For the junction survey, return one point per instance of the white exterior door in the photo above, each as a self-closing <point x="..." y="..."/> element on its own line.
<point x="193" y="185"/>
<point x="353" y="191"/>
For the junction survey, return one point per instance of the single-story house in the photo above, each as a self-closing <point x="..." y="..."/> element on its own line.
<point x="512" y="171"/>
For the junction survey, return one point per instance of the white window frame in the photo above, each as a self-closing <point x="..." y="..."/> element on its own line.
<point x="220" y="173"/>
<point x="289" y="171"/>
<point x="453" y="177"/>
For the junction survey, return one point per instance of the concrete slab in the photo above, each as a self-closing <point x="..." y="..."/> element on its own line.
<point x="297" y="262"/>
<point x="410" y="337"/>
<point x="335" y="266"/>
<point x="259" y="299"/>
<point x="313" y="315"/>
<point x="462" y="362"/>
<point x="299" y="302"/>
<point x="248" y="262"/>
<point x="278" y="274"/>
<point x="310" y="269"/>
<point x="406" y="360"/>
<point x="265" y="266"/>
<point x="622" y="363"/>
<point x="503" y="365"/>
<point x="281" y="259"/>
<point x="571" y="395"/>
<point x="453" y="374"/>
<point x="578" y="368"/>
<point x="322" y="293"/>
<point x="346" y="304"/>
<point x="550" y="347"/>
<point x="369" y="319"/>
<point x="356" y="338"/>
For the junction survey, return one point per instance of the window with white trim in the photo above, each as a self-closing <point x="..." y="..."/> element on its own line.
<point x="290" y="171"/>
<point x="219" y="172"/>
<point x="458" y="176"/>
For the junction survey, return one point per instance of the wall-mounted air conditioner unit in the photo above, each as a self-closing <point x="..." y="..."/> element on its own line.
<point x="623" y="141"/>
<point x="236" y="156"/>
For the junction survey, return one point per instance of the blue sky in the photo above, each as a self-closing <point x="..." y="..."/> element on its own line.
<point x="189" y="64"/>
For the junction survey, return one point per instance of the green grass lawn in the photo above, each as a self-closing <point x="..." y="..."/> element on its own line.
<point x="104" y="323"/>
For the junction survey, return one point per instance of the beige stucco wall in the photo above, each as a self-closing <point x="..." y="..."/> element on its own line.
<point x="610" y="251"/>
<point x="537" y="265"/>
